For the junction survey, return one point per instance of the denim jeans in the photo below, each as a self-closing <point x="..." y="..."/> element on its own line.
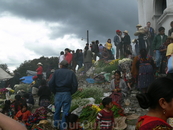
<point x="158" y="58"/>
<point x="62" y="100"/>
<point x="79" y="62"/>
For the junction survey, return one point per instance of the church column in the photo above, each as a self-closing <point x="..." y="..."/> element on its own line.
<point x="141" y="12"/>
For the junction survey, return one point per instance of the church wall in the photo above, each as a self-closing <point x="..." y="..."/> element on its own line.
<point x="152" y="10"/>
<point x="140" y="12"/>
<point x="145" y="12"/>
<point x="166" y="23"/>
<point x="148" y="11"/>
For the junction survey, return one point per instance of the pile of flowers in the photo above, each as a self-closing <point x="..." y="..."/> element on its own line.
<point x="10" y="90"/>
<point x="90" y="111"/>
<point x="88" y="92"/>
<point x="77" y="102"/>
<point x="96" y="107"/>
<point x="124" y="60"/>
<point x="125" y="65"/>
<point x="3" y="90"/>
<point x="113" y="62"/>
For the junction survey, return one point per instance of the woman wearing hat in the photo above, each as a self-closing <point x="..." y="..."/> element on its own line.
<point x="127" y="42"/>
<point x="138" y="26"/>
<point x="141" y="33"/>
<point x="159" y="100"/>
<point x="39" y="70"/>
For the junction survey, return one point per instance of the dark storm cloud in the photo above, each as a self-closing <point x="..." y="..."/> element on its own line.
<point x="100" y="17"/>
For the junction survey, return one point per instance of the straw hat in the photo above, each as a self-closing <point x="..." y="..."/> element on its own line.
<point x="171" y="37"/>
<point x="133" y="41"/>
<point x="125" y="31"/>
<point x="39" y="63"/>
<point x="140" y="31"/>
<point x="138" y="25"/>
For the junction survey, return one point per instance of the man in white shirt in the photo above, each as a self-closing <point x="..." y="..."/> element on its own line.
<point x="61" y="57"/>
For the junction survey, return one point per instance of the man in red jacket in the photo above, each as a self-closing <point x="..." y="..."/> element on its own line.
<point x="39" y="71"/>
<point x="68" y="57"/>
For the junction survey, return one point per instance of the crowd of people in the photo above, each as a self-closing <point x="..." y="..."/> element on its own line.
<point x="153" y="55"/>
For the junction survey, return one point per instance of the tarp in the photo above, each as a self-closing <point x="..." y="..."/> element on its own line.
<point x="4" y="75"/>
<point x="90" y="80"/>
<point x="34" y="73"/>
<point x="27" y="79"/>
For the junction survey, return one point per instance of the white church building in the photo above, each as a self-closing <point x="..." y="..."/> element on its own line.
<point x="158" y="12"/>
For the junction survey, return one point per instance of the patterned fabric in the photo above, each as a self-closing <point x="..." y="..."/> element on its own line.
<point x="117" y="96"/>
<point x="146" y="74"/>
<point x="41" y="113"/>
<point x="106" y="120"/>
<point x="44" y="103"/>
<point x="152" y="123"/>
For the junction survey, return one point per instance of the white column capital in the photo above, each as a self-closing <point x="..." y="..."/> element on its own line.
<point x="169" y="3"/>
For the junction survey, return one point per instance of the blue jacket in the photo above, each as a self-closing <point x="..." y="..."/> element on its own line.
<point x="63" y="80"/>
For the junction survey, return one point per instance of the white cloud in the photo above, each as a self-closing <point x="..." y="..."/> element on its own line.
<point x="21" y="40"/>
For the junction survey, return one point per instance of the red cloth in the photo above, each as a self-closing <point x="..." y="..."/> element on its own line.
<point x="149" y="123"/>
<point x="34" y="77"/>
<point x="39" y="70"/>
<point x="118" y="31"/>
<point x="68" y="57"/>
<point x="106" y="119"/>
<point x="23" y="115"/>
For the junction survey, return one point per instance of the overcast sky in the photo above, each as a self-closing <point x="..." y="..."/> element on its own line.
<point x="33" y="28"/>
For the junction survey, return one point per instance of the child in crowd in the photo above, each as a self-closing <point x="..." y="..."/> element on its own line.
<point x="7" y="109"/>
<point x="23" y="114"/>
<point x="124" y="76"/>
<point x="73" y="122"/>
<point x="29" y="100"/>
<point x="17" y="103"/>
<point x="105" y="117"/>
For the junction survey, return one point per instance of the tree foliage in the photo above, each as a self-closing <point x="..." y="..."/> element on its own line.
<point x="5" y="67"/>
<point x="48" y="63"/>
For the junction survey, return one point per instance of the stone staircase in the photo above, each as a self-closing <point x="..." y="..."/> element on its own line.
<point x="131" y="107"/>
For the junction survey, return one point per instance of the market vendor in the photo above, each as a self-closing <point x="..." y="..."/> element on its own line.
<point x="119" y="88"/>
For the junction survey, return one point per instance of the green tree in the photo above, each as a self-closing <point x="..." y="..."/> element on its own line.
<point x="5" y="67"/>
<point x="32" y="64"/>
